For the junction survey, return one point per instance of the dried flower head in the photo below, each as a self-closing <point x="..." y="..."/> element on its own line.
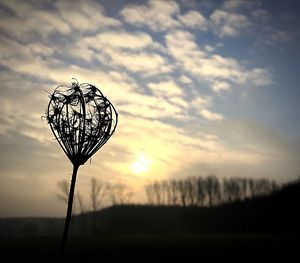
<point x="81" y="119"/>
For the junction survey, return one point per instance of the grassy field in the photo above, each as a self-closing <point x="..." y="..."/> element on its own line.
<point x="186" y="248"/>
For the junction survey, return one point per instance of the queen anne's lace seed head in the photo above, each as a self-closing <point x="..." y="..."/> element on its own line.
<point x="81" y="119"/>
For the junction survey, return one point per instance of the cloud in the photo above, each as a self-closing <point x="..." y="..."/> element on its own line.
<point x="212" y="116"/>
<point x="120" y="40"/>
<point x="193" y="19"/>
<point x="201" y="102"/>
<point x="151" y="107"/>
<point x="201" y="105"/>
<point x="26" y="59"/>
<point x="135" y="52"/>
<point x="34" y="18"/>
<point x="209" y="48"/>
<point x="234" y="5"/>
<point x="18" y="8"/>
<point x="157" y="15"/>
<point x="219" y="86"/>
<point x="166" y="89"/>
<point x="31" y="23"/>
<point x="185" y="80"/>
<point x="260" y="77"/>
<point x="85" y="16"/>
<point x="147" y="63"/>
<point x="261" y="15"/>
<point x="212" y="67"/>
<point x="228" y="24"/>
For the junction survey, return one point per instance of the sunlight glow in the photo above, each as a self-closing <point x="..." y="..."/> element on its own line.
<point x="142" y="164"/>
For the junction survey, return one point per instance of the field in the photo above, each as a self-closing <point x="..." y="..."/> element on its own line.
<point x="265" y="228"/>
<point x="237" y="247"/>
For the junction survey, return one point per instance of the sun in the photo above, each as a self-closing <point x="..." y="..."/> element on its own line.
<point x="141" y="165"/>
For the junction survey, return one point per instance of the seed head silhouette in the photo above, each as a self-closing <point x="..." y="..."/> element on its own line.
<point x="82" y="120"/>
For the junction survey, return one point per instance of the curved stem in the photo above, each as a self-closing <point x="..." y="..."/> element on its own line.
<point x="69" y="210"/>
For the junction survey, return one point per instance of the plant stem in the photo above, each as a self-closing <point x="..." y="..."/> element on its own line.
<point x="69" y="210"/>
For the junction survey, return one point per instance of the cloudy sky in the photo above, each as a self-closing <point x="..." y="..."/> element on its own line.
<point x="200" y="86"/>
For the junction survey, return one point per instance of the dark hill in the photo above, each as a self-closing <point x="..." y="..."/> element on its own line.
<point x="273" y="214"/>
<point x="264" y="228"/>
<point x="277" y="213"/>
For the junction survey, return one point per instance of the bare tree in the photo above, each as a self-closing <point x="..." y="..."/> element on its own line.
<point x="79" y="199"/>
<point x="119" y="194"/>
<point x="182" y="193"/>
<point x="157" y="190"/>
<point x="97" y="193"/>
<point x="167" y="192"/>
<point x="201" y="191"/>
<point x="174" y="192"/>
<point x="82" y="211"/>
<point x="150" y="193"/>
<point x="231" y="189"/>
<point x="64" y="187"/>
<point x="191" y="190"/>
<point x="213" y="190"/>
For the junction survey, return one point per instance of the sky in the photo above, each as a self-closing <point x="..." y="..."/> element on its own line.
<point x="201" y="87"/>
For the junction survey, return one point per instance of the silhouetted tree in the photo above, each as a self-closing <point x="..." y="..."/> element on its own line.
<point x="119" y="194"/>
<point x="231" y="189"/>
<point x="150" y="193"/>
<point x="167" y="193"/>
<point x="97" y="193"/>
<point x="64" y="190"/>
<point x="192" y="191"/>
<point x="174" y="192"/>
<point x="182" y="192"/>
<point x="82" y="211"/>
<point x="206" y="191"/>
<point x="201" y="191"/>
<point x="213" y="190"/>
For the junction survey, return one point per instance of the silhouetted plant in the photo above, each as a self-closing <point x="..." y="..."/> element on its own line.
<point x="82" y="120"/>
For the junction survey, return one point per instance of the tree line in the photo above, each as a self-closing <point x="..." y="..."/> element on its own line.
<point x="201" y="191"/>
<point x="101" y="194"/>
<point x="206" y="191"/>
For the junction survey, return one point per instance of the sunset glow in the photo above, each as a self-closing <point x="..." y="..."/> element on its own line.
<point x="141" y="165"/>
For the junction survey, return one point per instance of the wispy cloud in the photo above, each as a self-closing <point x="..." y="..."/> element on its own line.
<point x="228" y="24"/>
<point x="234" y="5"/>
<point x="212" y="116"/>
<point x="193" y="19"/>
<point x="119" y="40"/>
<point x="157" y="15"/>
<point x="85" y="16"/>
<point x="211" y="67"/>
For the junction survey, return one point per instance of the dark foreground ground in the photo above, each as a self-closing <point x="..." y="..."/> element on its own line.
<point x="157" y="248"/>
